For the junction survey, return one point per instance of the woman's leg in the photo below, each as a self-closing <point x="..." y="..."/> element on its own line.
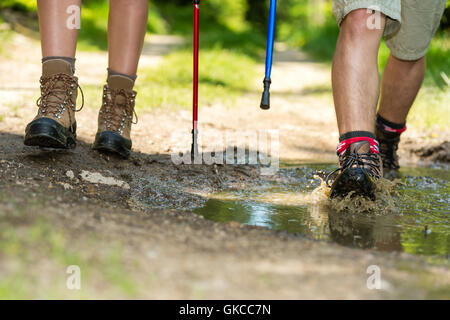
<point x="54" y="125"/>
<point x="126" y="31"/>
<point x="58" y="38"/>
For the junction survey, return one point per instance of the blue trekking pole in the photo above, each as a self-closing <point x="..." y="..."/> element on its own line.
<point x="265" y="101"/>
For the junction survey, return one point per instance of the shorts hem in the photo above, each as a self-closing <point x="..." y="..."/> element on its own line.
<point x="402" y="55"/>
<point x="393" y="15"/>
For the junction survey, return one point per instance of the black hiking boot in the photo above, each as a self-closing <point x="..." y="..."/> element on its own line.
<point x="359" y="168"/>
<point x="388" y="149"/>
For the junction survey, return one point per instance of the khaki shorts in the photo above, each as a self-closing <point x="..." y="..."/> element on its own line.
<point x="410" y="24"/>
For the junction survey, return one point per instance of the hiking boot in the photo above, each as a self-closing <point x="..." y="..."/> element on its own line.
<point x="388" y="148"/>
<point x="359" y="168"/>
<point x="116" y="116"/>
<point x="54" y="125"/>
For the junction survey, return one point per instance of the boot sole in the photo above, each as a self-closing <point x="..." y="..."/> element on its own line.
<point x="47" y="133"/>
<point x="356" y="180"/>
<point x="112" y="142"/>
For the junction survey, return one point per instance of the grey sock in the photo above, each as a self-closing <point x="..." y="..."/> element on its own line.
<point x="67" y="59"/>
<point x="115" y="73"/>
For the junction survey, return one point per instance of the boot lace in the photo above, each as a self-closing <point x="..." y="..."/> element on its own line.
<point x="61" y="95"/>
<point x="388" y="152"/>
<point x="361" y="160"/>
<point x="117" y="115"/>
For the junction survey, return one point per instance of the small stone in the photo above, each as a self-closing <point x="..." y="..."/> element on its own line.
<point x="67" y="186"/>
<point x="98" y="178"/>
<point x="70" y="174"/>
<point x="235" y="224"/>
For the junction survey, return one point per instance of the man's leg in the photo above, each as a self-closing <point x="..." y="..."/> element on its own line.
<point x="355" y="76"/>
<point x="356" y="88"/>
<point x="404" y="73"/>
<point x="401" y="83"/>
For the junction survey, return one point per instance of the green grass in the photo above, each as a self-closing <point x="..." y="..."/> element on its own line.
<point x="223" y="76"/>
<point x="35" y="254"/>
<point x="5" y="36"/>
<point x="229" y="52"/>
<point x="430" y="109"/>
<point x="431" y="106"/>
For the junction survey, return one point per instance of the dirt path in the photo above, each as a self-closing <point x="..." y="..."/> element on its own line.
<point x="83" y="208"/>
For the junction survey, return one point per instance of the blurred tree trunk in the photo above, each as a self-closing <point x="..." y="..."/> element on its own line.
<point x="257" y="14"/>
<point x="445" y="23"/>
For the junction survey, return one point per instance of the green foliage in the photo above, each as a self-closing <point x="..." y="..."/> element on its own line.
<point x="308" y="25"/>
<point x="94" y="24"/>
<point x="19" y="5"/>
<point x="223" y="76"/>
<point x="229" y="50"/>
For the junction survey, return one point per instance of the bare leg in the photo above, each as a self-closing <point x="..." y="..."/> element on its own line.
<point x="126" y="32"/>
<point x="56" y="38"/>
<point x="355" y="76"/>
<point x="401" y="83"/>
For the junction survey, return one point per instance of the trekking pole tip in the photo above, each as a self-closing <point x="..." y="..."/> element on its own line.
<point x="194" y="145"/>
<point x="265" y="100"/>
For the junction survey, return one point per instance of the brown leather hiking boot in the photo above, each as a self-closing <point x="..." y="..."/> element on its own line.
<point x="54" y="125"/>
<point x="358" y="168"/>
<point x="116" y="116"/>
<point x="388" y="148"/>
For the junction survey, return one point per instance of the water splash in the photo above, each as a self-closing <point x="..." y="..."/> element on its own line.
<point x="411" y="214"/>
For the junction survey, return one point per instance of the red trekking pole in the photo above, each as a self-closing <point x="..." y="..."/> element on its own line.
<point x="194" y="148"/>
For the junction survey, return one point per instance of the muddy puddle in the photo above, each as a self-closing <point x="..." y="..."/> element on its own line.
<point x="418" y="221"/>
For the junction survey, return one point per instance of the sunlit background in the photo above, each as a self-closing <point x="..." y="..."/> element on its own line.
<point x="232" y="44"/>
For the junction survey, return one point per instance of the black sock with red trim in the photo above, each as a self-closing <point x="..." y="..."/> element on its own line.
<point x="390" y="127"/>
<point x="351" y="137"/>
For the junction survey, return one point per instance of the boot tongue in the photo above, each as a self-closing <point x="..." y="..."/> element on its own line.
<point x="55" y="66"/>
<point x="120" y="82"/>
<point x="359" y="147"/>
